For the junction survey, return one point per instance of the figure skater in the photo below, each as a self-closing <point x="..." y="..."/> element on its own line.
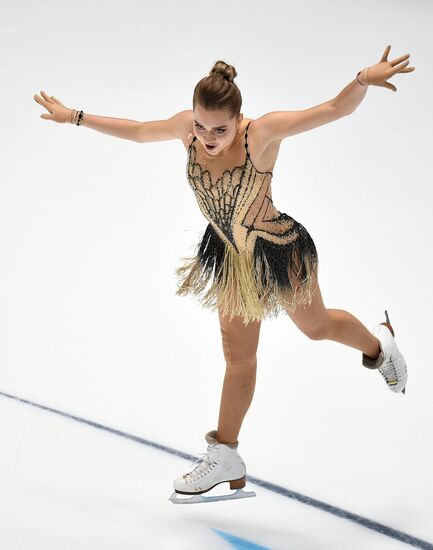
<point x="252" y="261"/>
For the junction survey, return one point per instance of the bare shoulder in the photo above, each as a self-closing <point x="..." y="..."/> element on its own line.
<point x="175" y="127"/>
<point x="263" y="151"/>
<point x="184" y="126"/>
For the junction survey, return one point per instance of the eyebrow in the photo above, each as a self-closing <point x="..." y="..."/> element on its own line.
<point x="214" y="128"/>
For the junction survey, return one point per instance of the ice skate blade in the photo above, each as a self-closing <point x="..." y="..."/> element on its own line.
<point x="200" y="498"/>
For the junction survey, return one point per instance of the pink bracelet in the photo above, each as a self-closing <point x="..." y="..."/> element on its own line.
<point x="357" y="77"/>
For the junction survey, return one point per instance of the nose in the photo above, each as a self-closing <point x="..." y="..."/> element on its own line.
<point x="210" y="141"/>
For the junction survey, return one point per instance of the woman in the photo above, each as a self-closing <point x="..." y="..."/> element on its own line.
<point x="258" y="260"/>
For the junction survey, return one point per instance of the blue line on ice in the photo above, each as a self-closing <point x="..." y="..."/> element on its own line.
<point x="340" y="512"/>
<point x="240" y="544"/>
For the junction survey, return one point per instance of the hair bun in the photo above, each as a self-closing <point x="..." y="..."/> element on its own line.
<point x="225" y="70"/>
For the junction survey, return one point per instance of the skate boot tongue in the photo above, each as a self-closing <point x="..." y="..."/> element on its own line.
<point x="212" y="440"/>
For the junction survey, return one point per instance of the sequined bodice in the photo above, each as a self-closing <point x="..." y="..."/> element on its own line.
<point x="236" y="198"/>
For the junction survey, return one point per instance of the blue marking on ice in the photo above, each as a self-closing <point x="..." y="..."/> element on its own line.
<point x="237" y="542"/>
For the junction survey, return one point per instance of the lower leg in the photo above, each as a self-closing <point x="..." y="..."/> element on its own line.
<point x="237" y="394"/>
<point x="334" y="324"/>
<point x="240" y="343"/>
<point x="348" y="330"/>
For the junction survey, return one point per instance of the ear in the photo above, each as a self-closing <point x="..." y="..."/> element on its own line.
<point x="240" y="117"/>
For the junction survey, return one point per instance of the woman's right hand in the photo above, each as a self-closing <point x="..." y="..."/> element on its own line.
<point x="58" y="112"/>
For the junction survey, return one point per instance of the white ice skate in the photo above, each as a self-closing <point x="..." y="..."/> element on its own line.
<point x="390" y="363"/>
<point x="220" y="464"/>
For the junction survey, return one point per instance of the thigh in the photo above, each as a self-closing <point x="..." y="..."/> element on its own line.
<point x="240" y="342"/>
<point x="311" y="319"/>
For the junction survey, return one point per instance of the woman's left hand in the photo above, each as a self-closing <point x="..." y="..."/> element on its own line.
<point x="379" y="73"/>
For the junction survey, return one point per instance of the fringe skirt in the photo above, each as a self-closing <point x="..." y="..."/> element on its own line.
<point x="274" y="278"/>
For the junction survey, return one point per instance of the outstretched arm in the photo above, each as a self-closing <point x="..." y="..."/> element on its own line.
<point x="134" y="130"/>
<point x="278" y="125"/>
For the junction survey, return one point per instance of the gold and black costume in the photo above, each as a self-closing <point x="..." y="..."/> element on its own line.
<point x="258" y="260"/>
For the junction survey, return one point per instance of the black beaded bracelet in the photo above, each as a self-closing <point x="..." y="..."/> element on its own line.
<point x="76" y="117"/>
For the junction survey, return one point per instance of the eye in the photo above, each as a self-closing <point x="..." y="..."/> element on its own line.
<point x="219" y="130"/>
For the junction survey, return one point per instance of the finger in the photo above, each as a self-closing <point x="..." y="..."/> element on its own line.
<point x="45" y="96"/>
<point x="389" y="86"/>
<point x="399" y="59"/>
<point x="385" y="54"/>
<point x="55" y="99"/>
<point x="408" y="70"/>
<point x="47" y="117"/>
<point x="41" y="101"/>
<point x="400" y="67"/>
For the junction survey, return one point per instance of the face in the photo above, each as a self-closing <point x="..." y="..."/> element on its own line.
<point x="215" y="128"/>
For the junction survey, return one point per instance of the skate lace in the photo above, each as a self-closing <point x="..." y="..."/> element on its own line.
<point x="389" y="372"/>
<point x="205" y="465"/>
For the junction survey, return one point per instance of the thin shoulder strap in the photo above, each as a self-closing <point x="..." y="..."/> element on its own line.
<point x="192" y="141"/>
<point x="246" y="138"/>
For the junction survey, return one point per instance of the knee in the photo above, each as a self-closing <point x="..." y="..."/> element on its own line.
<point x="316" y="332"/>
<point x="238" y="354"/>
<point x="240" y="358"/>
